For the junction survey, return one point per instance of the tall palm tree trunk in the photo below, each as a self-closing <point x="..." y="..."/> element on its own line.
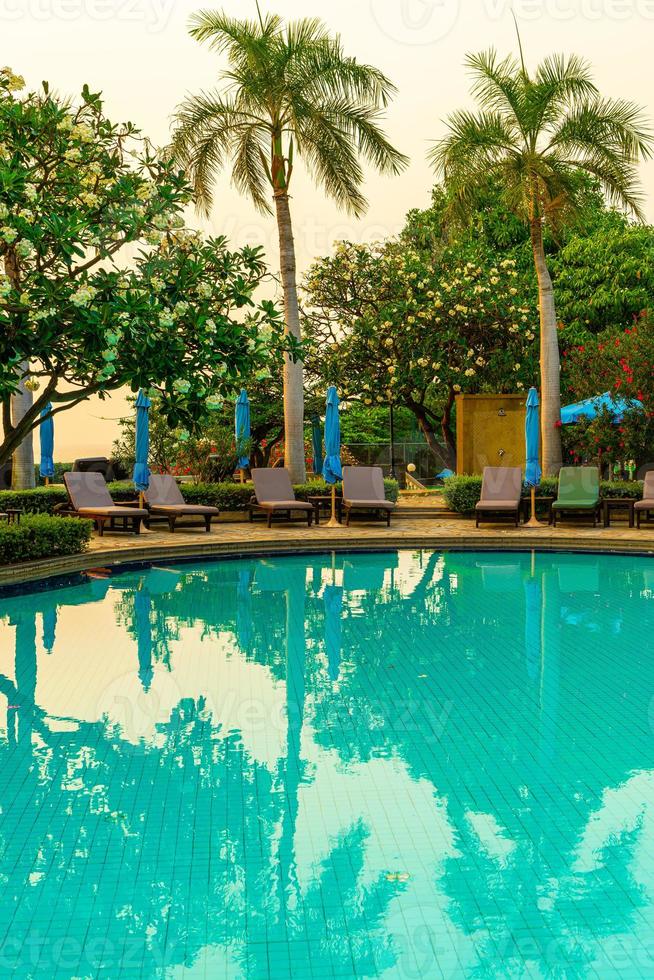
<point x="293" y="370"/>
<point x="22" y="473"/>
<point x="550" y="365"/>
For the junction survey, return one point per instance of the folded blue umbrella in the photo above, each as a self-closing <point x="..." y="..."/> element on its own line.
<point x="532" y="440"/>
<point x="242" y="425"/>
<point x="331" y="469"/>
<point x="141" y="474"/>
<point x="46" y="433"/>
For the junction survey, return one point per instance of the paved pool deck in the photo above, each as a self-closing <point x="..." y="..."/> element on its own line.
<point x="231" y="538"/>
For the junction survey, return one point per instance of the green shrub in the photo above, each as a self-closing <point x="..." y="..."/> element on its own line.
<point x="316" y="488"/>
<point x="225" y="496"/>
<point x="462" y="492"/>
<point x="42" y="536"/>
<point x="59" y="470"/>
<point x="43" y="500"/>
<point x="236" y="496"/>
<point x="622" y="488"/>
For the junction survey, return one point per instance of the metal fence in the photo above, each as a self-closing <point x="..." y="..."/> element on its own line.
<point x="427" y="463"/>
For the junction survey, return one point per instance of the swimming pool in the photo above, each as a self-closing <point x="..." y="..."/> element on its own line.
<point x="393" y="765"/>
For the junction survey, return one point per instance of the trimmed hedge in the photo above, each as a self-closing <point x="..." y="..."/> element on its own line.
<point x="43" y="500"/>
<point x="42" y="536"/>
<point x="225" y="496"/>
<point x="462" y="492"/>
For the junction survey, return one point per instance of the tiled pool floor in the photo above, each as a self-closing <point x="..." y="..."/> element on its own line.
<point x="401" y="765"/>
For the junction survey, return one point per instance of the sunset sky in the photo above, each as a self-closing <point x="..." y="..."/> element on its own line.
<point x="139" y="54"/>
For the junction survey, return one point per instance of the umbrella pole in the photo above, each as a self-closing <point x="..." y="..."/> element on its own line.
<point x="47" y="481"/>
<point x="144" y="528"/>
<point x="332" y="522"/>
<point x="533" y="522"/>
<point x="242" y="476"/>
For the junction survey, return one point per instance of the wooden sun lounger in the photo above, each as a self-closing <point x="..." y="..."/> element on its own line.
<point x="89" y="497"/>
<point x="501" y="492"/>
<point x="646" y="505"/>
<point x="274" y="494"/>
<point x="363" y="490"/>
<point x="578" y="493"/>
<point x="164" y="498"/>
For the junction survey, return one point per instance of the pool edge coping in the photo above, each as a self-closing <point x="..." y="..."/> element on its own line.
<point x="45" y="570"/>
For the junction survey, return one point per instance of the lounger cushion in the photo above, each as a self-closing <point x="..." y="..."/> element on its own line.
<point x="575" y="504"/>
<point x="88" y="490"/>
<point x="496" y="505"/>
<point x="370" y="504"/>
<point x="113" y="511"/>
<point x="285" y="505"/>
<point x="272" y="485"/>
<point x="578" y="488"/>
<point x="182" y="509"/>
<point x="363" y="486"/>
<point x="501" y="488"/>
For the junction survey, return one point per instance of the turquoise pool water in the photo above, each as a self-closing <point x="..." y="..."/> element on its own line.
<point x="396" y="765"/>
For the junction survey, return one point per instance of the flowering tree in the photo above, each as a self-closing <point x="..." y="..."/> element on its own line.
<point x="621" y="362"/>
<point x="101" y="285"/>
<point x="416" y="327"/>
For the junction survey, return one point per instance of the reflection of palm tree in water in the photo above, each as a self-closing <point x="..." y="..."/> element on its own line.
<point x="205" y="837"/>
<point x="20" y="696"/>
<point x="156" y="851"/>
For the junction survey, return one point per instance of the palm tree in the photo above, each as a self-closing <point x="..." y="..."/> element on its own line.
<point x="287" y="87"/>
<point x="537" y="137"/>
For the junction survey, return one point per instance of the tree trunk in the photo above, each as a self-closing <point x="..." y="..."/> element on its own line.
<point x="446" y="429"/>
<point x="550" y="366"/>
<point x="22" y="474"/>
<point x="293" y="371"/>
<point x="446" y="450"/>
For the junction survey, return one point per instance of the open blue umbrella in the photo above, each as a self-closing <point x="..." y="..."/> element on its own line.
<point x="242" y="426"/>
<point x="532" y="447"/>
<point x="46" y="433"/>
<point x="316" y="439"/>
<point x="331" y="469"/>
<point x="141" y="474"/>
<point x="591" y="407"/>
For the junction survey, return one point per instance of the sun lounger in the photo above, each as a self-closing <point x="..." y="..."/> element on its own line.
<point x="578" y="493"/>
<point x="645" y="505"/>
<point x="363" y="490"/>
<point x="501" y="490"/>
<point x="275" y="495"/>
<point x="89" y="497"/>
<point x="164" y="498"/>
